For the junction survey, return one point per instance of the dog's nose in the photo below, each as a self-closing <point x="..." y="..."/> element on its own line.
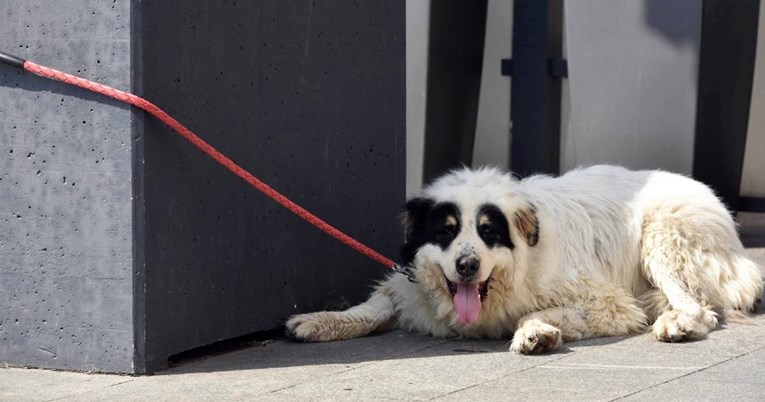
<point x="467" y="266"/>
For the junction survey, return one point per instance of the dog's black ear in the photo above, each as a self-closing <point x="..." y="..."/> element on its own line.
<point x="415" y="218"/>
<point x="416" y="213"/>
<point x="528" y="224"/>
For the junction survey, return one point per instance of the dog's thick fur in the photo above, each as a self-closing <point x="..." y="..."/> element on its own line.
<point x="599" y="251"/>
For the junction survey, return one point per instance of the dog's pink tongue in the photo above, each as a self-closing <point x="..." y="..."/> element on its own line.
<point x="467" y="302"/>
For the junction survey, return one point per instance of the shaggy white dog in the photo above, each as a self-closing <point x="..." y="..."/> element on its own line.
<point x="599" y="251"/>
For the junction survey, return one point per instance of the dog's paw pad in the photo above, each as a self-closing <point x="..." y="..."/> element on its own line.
<point x="680" y="326"/>
<point x="536" y="337"/>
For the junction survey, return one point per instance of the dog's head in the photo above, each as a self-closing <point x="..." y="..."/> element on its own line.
<point x="461" y="230"/>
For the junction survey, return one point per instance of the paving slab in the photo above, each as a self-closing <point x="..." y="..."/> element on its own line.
<point x="45" y="385"/>
<point x="741" y="378"/>
<point x="425" y="374"/>
<point x="611" y="368"/>
<point x="263" y="369"/>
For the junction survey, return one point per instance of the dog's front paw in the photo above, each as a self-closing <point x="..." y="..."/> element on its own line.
<point x="535" y="337"/>
<point x="317" y="327"/>
<point x="679" y="326"/>
<point x="307" y="327"/>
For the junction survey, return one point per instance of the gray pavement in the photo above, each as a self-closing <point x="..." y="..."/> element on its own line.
<point x="401" y="366"/>
<point x="728" y="365"/>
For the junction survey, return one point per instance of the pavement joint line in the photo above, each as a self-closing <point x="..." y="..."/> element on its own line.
<point x="75" y="395"/>
<point x="119" y="383"/>
<point x="503" y="376"/>
<point x="688" y="374"/>
<point x="362" y="365"/>
<point x="584" y="366"/>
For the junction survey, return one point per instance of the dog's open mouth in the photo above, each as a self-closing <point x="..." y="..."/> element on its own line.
<point x="467" y="299"/>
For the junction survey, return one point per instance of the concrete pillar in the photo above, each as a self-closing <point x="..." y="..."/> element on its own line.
<point x="121" y="244"/>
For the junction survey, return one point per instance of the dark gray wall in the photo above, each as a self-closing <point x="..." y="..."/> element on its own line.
<point x="65" y="190"/>
<point x="309" y="96"/>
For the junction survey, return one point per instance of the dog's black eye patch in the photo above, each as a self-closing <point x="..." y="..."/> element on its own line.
<point x="436" y="224"/>
<point x="445" y="224"/>
<point x="493" y="228"/>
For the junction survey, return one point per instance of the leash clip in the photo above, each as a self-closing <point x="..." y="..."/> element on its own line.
<point x="404" y="270"/>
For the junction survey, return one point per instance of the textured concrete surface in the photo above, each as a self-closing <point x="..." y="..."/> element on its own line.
<point x="401" y="366"/>
<point x="66" y="253"/>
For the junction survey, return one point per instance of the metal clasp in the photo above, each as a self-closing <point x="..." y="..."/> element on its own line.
<point x="404" y="270"/>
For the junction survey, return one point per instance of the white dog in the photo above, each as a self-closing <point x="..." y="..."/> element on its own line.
<point x="599" y="251"/>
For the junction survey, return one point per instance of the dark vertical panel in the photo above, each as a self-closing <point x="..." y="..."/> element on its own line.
<point x="535" y="96"/>
<point x="308" y="96"/>
<point x="726" y="72"/>
<point x="751" y="204"/>
<point x="455" y="60"/>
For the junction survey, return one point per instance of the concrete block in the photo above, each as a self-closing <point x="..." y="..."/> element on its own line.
<point x="121" y="243"/>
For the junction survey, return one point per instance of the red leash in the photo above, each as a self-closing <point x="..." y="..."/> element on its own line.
<point x="184" y="132"/>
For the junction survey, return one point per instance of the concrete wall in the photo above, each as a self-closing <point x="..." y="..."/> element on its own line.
<point x="66" y="257"/>
<point x="122" y="244"/>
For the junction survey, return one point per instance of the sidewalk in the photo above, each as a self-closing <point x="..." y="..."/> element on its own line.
<point x="728" y="365"/>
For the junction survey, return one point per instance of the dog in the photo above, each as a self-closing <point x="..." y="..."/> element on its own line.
<point x="599" y="251"/>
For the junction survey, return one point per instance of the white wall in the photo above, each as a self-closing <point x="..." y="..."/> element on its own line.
<point x="492" y="142"/>
<point x="753" y="179"/>
<point x="492" y="127"/>
<point x="417" y="24"/>
<point x="633" y="68"/>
